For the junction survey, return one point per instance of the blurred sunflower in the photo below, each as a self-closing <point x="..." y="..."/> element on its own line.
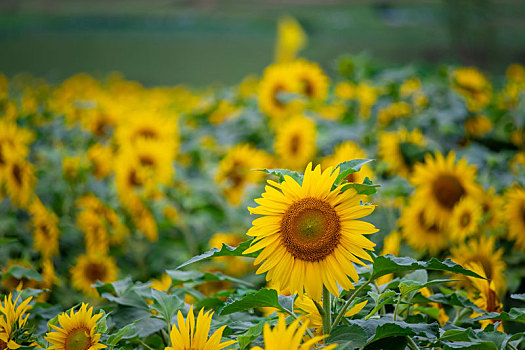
<point x="290" y="338"/>
<point x="472" y="85"/>
<point x="144" y="221"/>
<point x="90" y="269"/>
<point x="514" y="211"/>
<point x="295" y="142"/>
<point x="155" y="159"/>
<point x="291" y="38"/>
<point x="394" y="147"/>
<point x="13" y="139"/>
<point x="277" y="91"/>
<point x="76" y="331"/>
<point x="441" y="183"/>
<point x="12" y="318"/>
<point x="492" y="206"/>
<point x="101" y="158"/>
<point x="95" y="232"/>
<point x="393" y="111"/>
<point x="346" y="151"/>
<point x="482" y="250"/>
<point x="478" y="125"/>
<point x="236" y="170"/>
<point x="308" y="234"/>
<point x="20" y="180"/>
<point x="367" y="95"/>
<point x="442" y="316"/>
<point x="193" y="333"/>
<point x="45" y="229"/>
<point x="162" y="284"/>
<point x="420" y="233"/>
<point x="465" y="220"/>
<point x="314" y="83"/>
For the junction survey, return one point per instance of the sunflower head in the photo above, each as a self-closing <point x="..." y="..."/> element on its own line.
<point x="90" y="269"/>
<point x="514" y="211"/>
<point x="295" y="142"/>
<point x="12" y="318"/>
<point x="466" y="218"/>
<point x="308" y="234"/>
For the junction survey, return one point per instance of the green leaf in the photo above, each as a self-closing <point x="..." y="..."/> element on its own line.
<point x="514" y="315"/>
<point x="360" y="188"/>
<point x="20" y="272"/>
<point x="349" y="167"/>
<point x="406" y="287"/>
<point x="520" y="297"/>
<point x="180" y="277"/>
<point x="348" y="336"/>
<point x="166" y="304"/>
<point x="117" y="336"/>
<point x="7" y="240"/>
<point x="250" y="335"/>
<point x="280" y="173"/>
<point x="261" y="298"/>
<point x="383" y="265"/>
<point x="226" y="250"/>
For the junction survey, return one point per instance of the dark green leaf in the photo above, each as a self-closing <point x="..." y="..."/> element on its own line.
<point x="261" y="298"/>
<point x="360" y="188"/>
<point x="514" y="314"/>
<point x="348" y="336"/>
<point x="280" y="173"/>
<point x="117" y="336"/>
<point x="349" y="167"/>
<point x="166" y="304"/>
<point x="251" y="334"/>
<point x="226" y="250"/>
<point x="20" y="272"/>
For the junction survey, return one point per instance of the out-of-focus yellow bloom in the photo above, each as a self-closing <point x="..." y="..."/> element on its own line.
<point x="443" y="317"/>
<point x="516" y="73"/>
<point x="101" y="158"/>
<point x="291" y="38"/>
<point x="223" y="112"/>
<point x="514" y="210"/>
<point x="90" y="269"/>
<point x="71" y="167"/>
<point x="45" y="229"/>
<point x="20" y="179"/>
<point x="233" y="265"/>
<point x="367" y="95"/>
<point x="171" y="213"/>
<point x="345" y="90"/>
<point x="11" y="283"/>
<point x="248" y="86"/>
<point x="391" y="149"/>
<point x="478" y="125"/>
<point x="409" y="87"/>
<point x="334" y="111"/>
<point x="472" y="85"/>
<point x="295" y="143"/>
<point x="162" y="284"/>
<point x="344" y="152"/>
<point x="396" y="110"/>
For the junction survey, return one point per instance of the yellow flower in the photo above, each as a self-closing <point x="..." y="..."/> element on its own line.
<point x="420" y="233"/>
<point x="314" y="83"/>
<point x="90" y="269"/>
<point x="515" y="215"/>
<point x="71" y="167"/>
<point x="308" y="234"/>
<point x="20" y="179"/>
<point x="223" y="112"/>
<point x="290" y="338"/>
<point x="95" y="232"/>
<point x="162" y="284"/>
<point x="470" y="83"/>
<point x="441" y="183"/>
<point x="235" y="170"/>
<point x="170" y="213"/>
<point x="11" y="282"/>
<point x="391" y="149"/>
<point x="345" y="90"/>
<point x="11" y="319"/>
<point x="482" y="250"/>
<point x="290" y="39"/>
<point x="443" y="317"/>
<point x="193" y="334"/>
<point x="409" y="87"/>
<point x="76" y="331"/>
<point x="45" y="229"/>
<point x="492" y="207"/>
<point x="391" y="245"/>
<point x="478" y="125"/>
<point x="516" y="72"/>
<point x="396" y="110"/>
<point x="101" y="158"/>
<point x="465" y="220"/>
<point x="366" y="95"/>
<point x="248" y="86"/>
<point x="295" y="142"/>
<point x="346" y="151"/>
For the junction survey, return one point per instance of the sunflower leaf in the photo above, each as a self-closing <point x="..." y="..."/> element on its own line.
<point x="225" y="250"/>
<point x="251" y="334"/>
<point x="261" y="298"/>
<point x="280" y="173"/>
<point x="20" y="272"/>
<point x="349" y="167"/>
<point x="360" y="188"/>
<point x="348" y="336"/>
<point x="383" y="265"/>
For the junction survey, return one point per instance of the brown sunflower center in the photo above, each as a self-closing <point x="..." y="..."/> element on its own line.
<point x="45" y="231"/>
<point x="17" y="174"/>
<point x="432" y="229"/>
<point x="3" y="345"/>
<point x="523" y="213"/>
<point x="147" y="160"/>
<point x="148" y="133"/>
<point x="275" y="96"/>
<point x="2" y="162"/>
<point x="78" y="339"/>
<point x="310" y="229"/>
<point x="448" y="190"/>
<point x="294" y="144"/>
<point x="465" y="219"/>
<point x="308" y="87"/>
<point x="133" y="178"/>
<point x="95" y="272"/>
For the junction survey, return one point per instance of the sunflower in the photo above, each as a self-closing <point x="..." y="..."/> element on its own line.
<point x="472" y="85"/>
<point x="291" y="38"/>
<point x="396" y="110"/>
<point x="420" y="233"/>
<point x="162" y="284"/>
<point x="77" y="331"/>
<point x="295" y="142"/>
<point x="465" y="220"/>
<point x="95" y="232"/>
<point x="482" y="250"/>
<point x="20" y="180"/>
<point x="11" y="319"/>
<point x="193" y="334"/>
<point x="367" y="95"/>
<point x="314" y="83"/>
<point x="101" y="158"/>
<point x="145" y="221"/>
<point x="45" y="229"/>
<point x="277" y="91"/>
<point x="224" y="111"/>
<point x="484" y="295"/>
<point x="90" y="269"/>
<point x="391" y="146"/>
<point x="514" y="212"/>
<point x="346" y="151"/>
<point x="235" y="170"/>
<point x="309" y="235"/>
<point x="441" y="183"/>
<point x="492" y="206"/>
<point x="391" y="245"/>
<point x="478" y="125"/>
<point x="290" y="338"/>
<point x="13" y="138"/>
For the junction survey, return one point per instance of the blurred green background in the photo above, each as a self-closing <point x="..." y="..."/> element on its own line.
<point x="221" y="41"/>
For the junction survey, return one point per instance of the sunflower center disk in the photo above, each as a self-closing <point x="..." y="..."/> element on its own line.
<point x="465" y="219"/>
<point x="310" y="229"/>
<point x="95" y="272"/>
<point x="78" y="339"/>
<point x="448" y="190"/>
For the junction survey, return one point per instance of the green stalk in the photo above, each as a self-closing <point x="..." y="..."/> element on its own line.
<point x="397" y="306"/>
<point x="327" y="317"/>
<point x="349" y="302"/>
<point x="412" y="344"/>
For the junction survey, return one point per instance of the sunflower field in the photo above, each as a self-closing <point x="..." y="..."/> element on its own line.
<point x="380" y="209"/>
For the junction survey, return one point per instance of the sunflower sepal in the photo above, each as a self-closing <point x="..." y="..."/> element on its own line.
<point x="349" y="167"/>
<point x="281" y="173"/>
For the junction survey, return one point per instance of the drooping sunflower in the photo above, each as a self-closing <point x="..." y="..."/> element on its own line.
<point x="20" y="180"/>
<point x="90" y="269"/>
<point x="276" y="92"/>
<point x="290" y="338"/>
<point x="465" y="220"/>
<point x="295" y="142"/>
<point x="346" y="151"/>
<point x="441" y="183"/>
<point x="235" y="170"/>
<point x="420" y="233"/>
<point x="11" y="319"/>
<point x="76" y="331"/>
<point x="482" y="250"/>
<point x="515" y="215"/>
<point x="193" y="334"/>
<point x="45" y="229"/>
<point x="308" y="235"/>
<point x="391" y="149"/>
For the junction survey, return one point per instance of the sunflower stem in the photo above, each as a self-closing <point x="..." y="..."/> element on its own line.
<point x="412" y="344"/>
<point x="349" y="302"/>
<point x="327" y="317"/>
<point x="145" y="345"/>
<point x="397" y="306"/>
